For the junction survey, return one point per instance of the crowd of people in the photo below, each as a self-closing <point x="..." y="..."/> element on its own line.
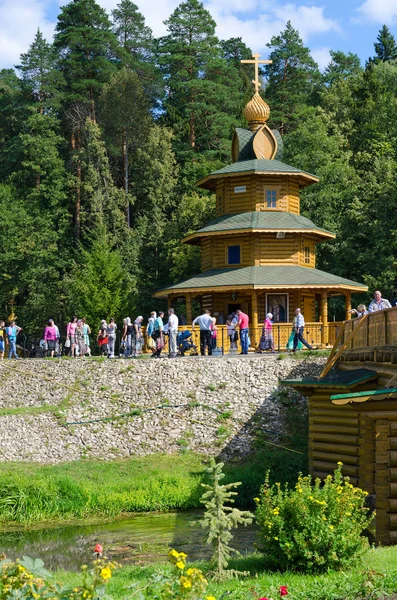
<point x="160" y="330"/>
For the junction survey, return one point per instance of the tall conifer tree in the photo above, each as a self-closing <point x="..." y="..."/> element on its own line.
<point x="292" y="78"/>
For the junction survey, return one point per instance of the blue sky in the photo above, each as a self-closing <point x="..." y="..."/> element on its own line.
<point x="348" y="25"/>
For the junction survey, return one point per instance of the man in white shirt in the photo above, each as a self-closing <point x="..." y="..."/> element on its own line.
<point x="173" y="323"/>
<point x="299" y="326"/>
<point x="378" y="303"/>
<point x="205" y="323"/>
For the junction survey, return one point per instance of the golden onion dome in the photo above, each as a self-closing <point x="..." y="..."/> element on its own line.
<point x="256" y="111"/>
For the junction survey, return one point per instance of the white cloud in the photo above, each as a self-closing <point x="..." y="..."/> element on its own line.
<point x="322" y="57"/>
<point x="256" y="21"/>
<point x="381" y="11"/>
<point x="19" y="21"/>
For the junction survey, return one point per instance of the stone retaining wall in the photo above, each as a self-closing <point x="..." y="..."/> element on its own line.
<point x="210" y="405"/>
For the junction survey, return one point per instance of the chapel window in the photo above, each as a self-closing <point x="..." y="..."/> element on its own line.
<point x="233" y="255"/>
<point x="307" y="255"/>
<point x="271" y="197"/>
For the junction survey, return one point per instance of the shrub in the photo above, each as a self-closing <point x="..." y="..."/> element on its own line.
<point x="314" y="527"/>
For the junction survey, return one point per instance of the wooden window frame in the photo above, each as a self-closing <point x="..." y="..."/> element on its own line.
<point x="271" y="188"/>
<point x="307" y="256"/>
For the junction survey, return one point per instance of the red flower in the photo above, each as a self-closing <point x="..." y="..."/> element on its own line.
<point x="263" y="598"/>
<point x="283" y="590"/>
<point x="98" y="549"/>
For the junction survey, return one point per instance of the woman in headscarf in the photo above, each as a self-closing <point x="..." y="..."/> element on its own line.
<point x="80" y="338"/>
<point x="102" y="338"/>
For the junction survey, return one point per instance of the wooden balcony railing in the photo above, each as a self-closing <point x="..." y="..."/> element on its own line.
<point x="378" y="330"/>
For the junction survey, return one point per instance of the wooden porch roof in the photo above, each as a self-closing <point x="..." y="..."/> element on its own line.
<point x="270" y="277"/>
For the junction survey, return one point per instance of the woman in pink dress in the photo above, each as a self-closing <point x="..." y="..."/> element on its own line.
<point x="71" y="335"/>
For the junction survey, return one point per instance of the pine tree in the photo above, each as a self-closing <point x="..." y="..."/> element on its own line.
<point x="292" y="78"/>
<point x="88" y="50"/>
<point x="40" y="77"/>
<point x="203" y="101"/>
<point x="137" y="43"/>
<point x="219" y="519"/>
<point x="341" y="67"/>
<point x="125" y="118"/>
<point x="385" y="47"/>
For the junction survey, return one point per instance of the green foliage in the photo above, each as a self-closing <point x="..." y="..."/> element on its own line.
<point x="27" y="578"/>
<point x="101" y="289"/>
<point x="219" y="519"/>
<point x="292" y="78"/>
<point x="313" y="528"/>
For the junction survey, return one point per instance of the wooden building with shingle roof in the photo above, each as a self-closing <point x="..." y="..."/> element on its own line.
<point x="259" y="253"/>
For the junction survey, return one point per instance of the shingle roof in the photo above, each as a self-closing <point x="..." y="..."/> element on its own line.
<point x="265" y="165"/>
<point x="258" y="166"/>
<point x="262" y="277"/>
<point x="266" y="221"/>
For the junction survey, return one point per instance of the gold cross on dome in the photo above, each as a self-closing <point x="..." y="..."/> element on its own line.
<point x="256" y="62"/>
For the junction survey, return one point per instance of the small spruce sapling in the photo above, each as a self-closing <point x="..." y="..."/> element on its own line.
<point x="219" y="520"/>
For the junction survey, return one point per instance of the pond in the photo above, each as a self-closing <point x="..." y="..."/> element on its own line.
<point x="135" y="539"/>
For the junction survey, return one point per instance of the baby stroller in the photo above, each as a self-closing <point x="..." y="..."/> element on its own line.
<point x="185" y="343"/>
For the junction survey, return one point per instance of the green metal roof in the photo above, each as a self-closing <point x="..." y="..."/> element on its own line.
<point x="262" y="277"/>
<point x="258" y="167"/>
<point x="369" y="395"/>
<point x="263" y="165"/>
<point x="266" y="220"/>
<point x="335" y="378"/>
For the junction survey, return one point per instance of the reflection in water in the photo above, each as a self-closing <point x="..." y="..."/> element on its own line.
<point x="135" y="539"/>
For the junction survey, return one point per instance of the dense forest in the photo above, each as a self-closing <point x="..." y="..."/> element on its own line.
<point x="104" y="132"/>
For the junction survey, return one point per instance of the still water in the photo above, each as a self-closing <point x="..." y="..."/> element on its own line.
<point x="136" y="539"/>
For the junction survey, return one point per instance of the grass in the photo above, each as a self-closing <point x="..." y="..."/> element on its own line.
<point x="376" y="577"/>
<point x="33" y="493"/>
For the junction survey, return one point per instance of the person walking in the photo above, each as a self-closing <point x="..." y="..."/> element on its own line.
<point x="50" y="337"/>
<point x="205" y="323"/>
<point x="299" y="327"/>
<point x="127" y="337"/>
<point x="150" y="343"/>
<point x="71" y="335"/>
<point x="136" y="337"/>
<point x="102" y="338"/>
<point x="243" y="324"/>
<point x="80" y="339"/>
<point x="158" y="334"/>
<point x="232" y="334"/>
<point x="12" y="332"/>
<point x="173" y="323"/>
<point x="112" y="328"/>
<point x="87" y="331"/>
<point x="378" y="303"/>
<point x="2" y="339"/>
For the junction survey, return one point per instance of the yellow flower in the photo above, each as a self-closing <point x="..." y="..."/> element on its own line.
<point x="173" y="553"/>
<point x="255" y="500"/>
<point x="185" y="582"/>
<point x="105" y="573"/>
<point x="180" y="564"/>
<point x="276" y="511"/>
<point x="210" y="598"/>
<point x="276" y="538"/>
<point x="324" y="518"/>
<point x="340" y="464"/>
<point x="331" y="526"/>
